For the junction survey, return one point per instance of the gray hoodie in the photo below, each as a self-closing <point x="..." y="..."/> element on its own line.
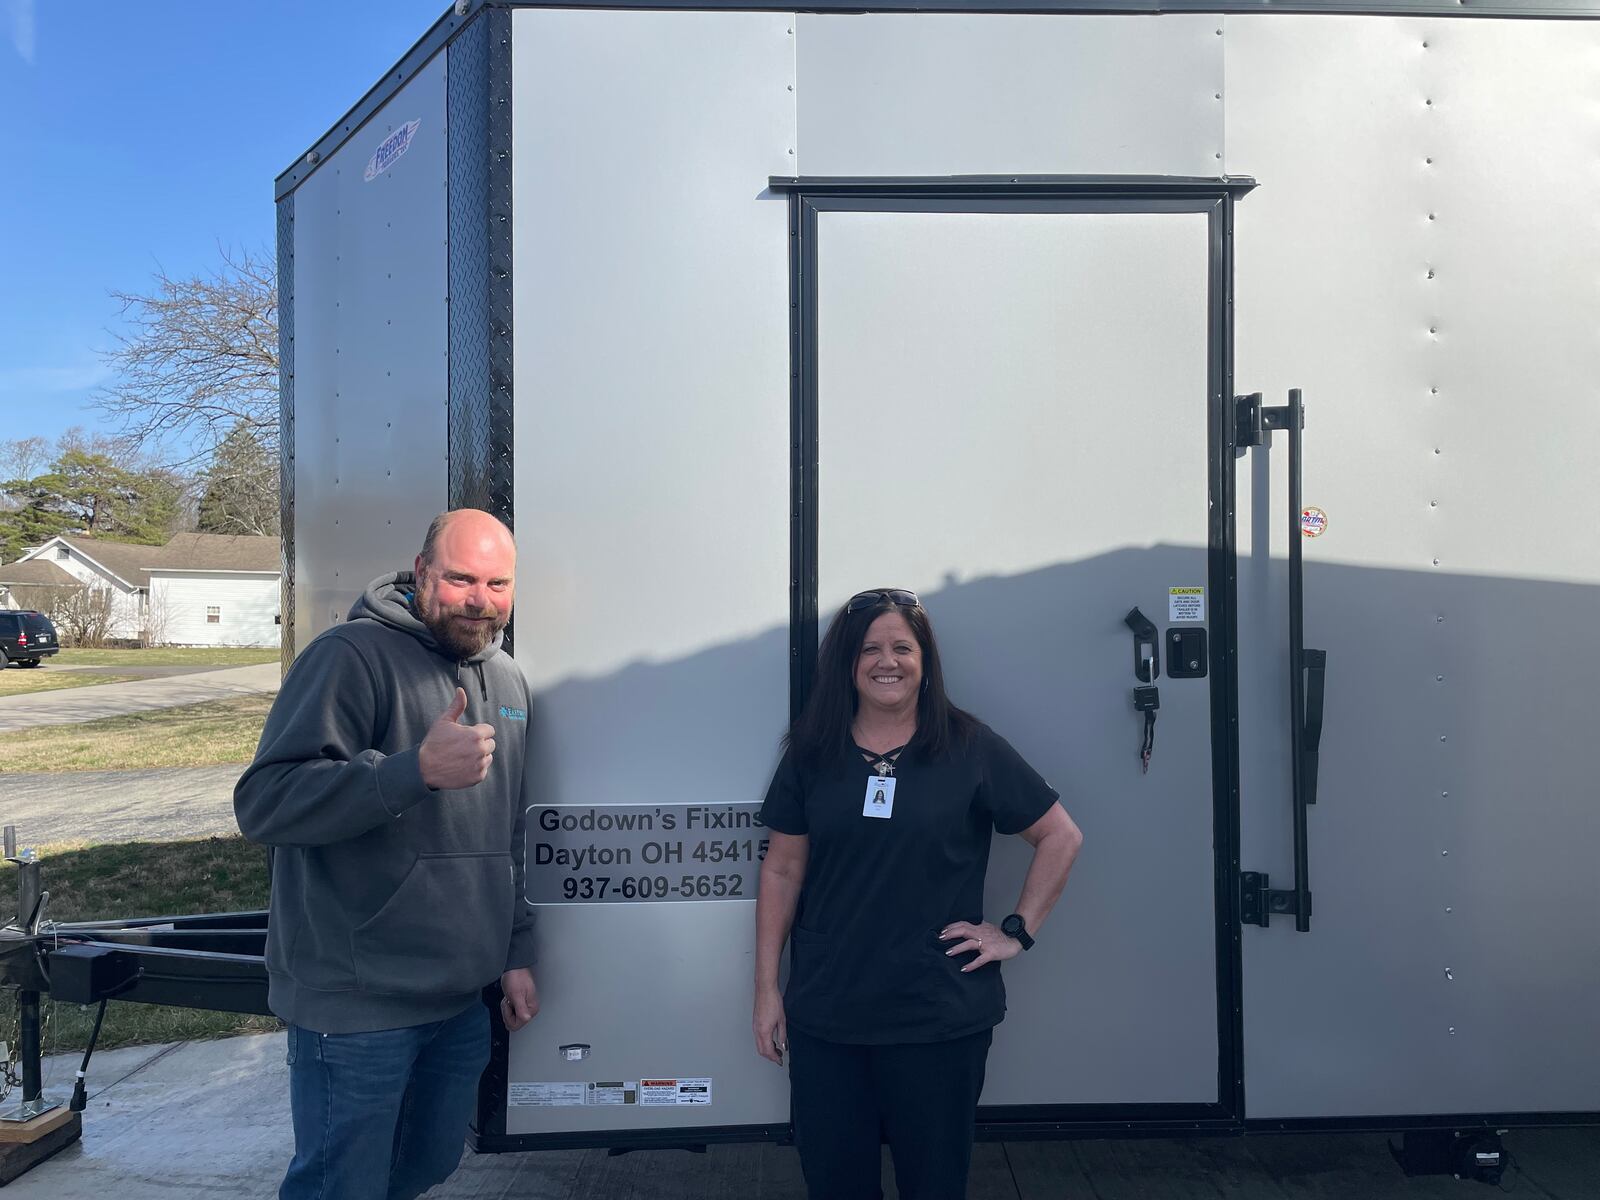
<point x="392" y="904"/>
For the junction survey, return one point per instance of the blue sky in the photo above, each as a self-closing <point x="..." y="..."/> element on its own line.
<point x="138" y="135"/>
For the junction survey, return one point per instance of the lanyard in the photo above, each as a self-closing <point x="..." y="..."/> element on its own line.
<point x="882" y="764"/>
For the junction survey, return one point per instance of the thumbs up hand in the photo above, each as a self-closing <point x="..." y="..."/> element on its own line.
<point x="455" y="755"/>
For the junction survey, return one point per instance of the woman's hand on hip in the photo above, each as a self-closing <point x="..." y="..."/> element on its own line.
<point x="986" y="939"/>
<point x="771" y="1030"/>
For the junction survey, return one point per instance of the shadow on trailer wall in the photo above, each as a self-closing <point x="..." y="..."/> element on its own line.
<point x="1431" y="985"/>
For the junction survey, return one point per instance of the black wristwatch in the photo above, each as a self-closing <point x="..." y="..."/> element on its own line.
<point x="1014" y="927"/>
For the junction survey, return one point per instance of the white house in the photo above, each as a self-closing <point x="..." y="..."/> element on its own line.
<point x="200" y="589"/>
<point x="213" y="590"/>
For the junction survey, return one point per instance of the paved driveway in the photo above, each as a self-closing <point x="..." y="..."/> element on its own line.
<point x="73" y="705"/>
<point x="164" y="804"/>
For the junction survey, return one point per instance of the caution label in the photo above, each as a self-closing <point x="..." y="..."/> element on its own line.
<point x="1186" y="604"/>
<point x="661" y="1093"/>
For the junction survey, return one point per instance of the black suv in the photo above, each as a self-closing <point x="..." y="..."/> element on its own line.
<point x="26" y="637"/>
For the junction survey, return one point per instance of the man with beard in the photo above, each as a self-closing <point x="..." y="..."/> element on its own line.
<point x="388" y="782"/>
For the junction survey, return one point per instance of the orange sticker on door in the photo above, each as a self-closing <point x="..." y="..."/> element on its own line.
<point x="1313" y="522"/>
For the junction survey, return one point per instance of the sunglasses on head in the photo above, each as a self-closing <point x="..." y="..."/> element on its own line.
<point x="896" y="596"/>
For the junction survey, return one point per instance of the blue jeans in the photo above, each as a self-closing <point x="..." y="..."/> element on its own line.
<point x="382" y="1116"/>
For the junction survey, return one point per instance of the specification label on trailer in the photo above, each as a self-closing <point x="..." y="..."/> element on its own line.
<point x="571" y="1095"/>
<point x="625" y="854"/>
<point x="1186" y="604"/>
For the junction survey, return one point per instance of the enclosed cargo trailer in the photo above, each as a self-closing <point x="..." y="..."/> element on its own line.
<point x="731" y="310"/>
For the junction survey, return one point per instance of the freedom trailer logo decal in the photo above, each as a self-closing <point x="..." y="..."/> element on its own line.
<point x="391" y="148"/>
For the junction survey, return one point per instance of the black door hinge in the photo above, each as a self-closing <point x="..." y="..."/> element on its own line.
<point x="1257" y="901"/>
<point x="1254" y="422"/>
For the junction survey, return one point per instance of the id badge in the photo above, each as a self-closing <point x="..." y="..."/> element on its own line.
<point x="879" y="800"/>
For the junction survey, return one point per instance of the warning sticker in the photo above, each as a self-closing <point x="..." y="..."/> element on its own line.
<point x="656" y="1093"/>
<point x="1186" y="604"/>
<point x="571" y="1095"/>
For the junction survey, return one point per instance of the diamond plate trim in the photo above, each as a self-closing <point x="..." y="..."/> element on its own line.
<point x="481" y="398"/>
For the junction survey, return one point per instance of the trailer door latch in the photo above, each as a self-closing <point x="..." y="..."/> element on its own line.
<point x="1257" y="901"/>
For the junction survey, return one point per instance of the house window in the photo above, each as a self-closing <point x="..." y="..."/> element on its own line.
<point x="213" y="614"/>
<point x="63" y="553"/>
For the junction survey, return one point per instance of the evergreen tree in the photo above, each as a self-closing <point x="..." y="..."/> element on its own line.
<point x="240" y="487"/>
<point x="85" y="491"/>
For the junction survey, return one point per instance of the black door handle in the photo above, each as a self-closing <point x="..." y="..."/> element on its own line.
<point x="1253" y="425"/>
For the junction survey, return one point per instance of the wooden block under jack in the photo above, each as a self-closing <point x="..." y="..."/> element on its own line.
<point x="24" y="1145"/>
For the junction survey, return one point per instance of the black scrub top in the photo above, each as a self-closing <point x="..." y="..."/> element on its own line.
<point x="865" y="961"/>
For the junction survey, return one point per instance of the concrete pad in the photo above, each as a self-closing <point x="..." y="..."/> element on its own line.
<point x="212" y="1119"/>
<point x="73" y="705"/>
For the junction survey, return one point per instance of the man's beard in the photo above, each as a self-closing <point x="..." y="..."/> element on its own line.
<point x="461" y="639"/>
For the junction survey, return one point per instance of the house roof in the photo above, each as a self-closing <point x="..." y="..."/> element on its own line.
<point x="132" y="563"/>
<point x="127" y="561"/>
<point x="220" y="552"/>
<point x="35" y="572"/>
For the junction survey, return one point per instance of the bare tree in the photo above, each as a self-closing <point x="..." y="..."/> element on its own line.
<point x="81" y="614"/>
<point x="157" y="617"/>
<point x="21" y="458"/>
<point x="201" y="360"/>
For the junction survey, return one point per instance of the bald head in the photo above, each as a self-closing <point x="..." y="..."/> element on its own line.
<point x="466" y="579"/>
<point x="470" y="523"/>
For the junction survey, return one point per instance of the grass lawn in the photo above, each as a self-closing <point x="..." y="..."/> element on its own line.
<point x="185" y="656"/>
<point x="192" y="735"/>
<point x="17" y="681"/>
<point x="136" y="879"/>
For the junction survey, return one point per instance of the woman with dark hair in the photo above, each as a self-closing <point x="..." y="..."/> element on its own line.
<point x="880" y="818"/>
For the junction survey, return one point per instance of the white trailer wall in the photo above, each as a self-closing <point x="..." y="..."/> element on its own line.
<point x="1420" y="257"/>
<point x="652" y="440"/>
